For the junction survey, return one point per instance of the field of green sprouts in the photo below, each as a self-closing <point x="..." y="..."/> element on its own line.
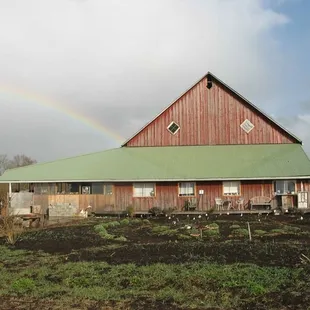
<point x="165" y="263"/>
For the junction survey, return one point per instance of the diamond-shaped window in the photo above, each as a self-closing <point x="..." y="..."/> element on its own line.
<point x="247" y="126"/>
<point x="173" y="128"/>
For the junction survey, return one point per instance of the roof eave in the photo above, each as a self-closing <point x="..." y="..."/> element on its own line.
<point x="163" y="180"/>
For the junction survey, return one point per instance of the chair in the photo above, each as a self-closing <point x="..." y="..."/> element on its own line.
<point x="239" y="203"/>
<point x="219" y="203"/>
<point x="227" y="204"/>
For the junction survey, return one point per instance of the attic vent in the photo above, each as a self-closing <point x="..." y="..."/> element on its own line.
<point x="247" y="126"/>
<point x="173" y="128"/>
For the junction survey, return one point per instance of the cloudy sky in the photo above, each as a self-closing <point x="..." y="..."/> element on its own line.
<point x="118" y="63"/>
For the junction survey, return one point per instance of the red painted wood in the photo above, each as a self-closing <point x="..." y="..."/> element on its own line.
<point x="209" y="117"/>
<point x="167" y="195"/>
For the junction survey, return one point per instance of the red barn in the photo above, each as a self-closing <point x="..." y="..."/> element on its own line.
<point x="211" y="148"/>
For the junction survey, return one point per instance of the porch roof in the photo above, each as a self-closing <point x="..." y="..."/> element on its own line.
<point x="179" y="163"/>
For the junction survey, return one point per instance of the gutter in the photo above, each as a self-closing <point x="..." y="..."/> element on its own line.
<point x="159" y="180"/>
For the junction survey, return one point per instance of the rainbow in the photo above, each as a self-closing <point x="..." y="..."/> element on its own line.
<point x="38" y="99"/>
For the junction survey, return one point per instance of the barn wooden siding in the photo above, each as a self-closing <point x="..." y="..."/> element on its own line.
<point x="166" y="197"/>
<point x="167" y="194"/>
<point x="99" y="203"/>
<point x="210" y="117"/>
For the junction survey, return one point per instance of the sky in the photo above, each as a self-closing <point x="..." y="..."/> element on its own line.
<point x="79" y="76"/>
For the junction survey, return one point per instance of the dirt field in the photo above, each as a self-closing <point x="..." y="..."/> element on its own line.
<point x="161" y="263"/>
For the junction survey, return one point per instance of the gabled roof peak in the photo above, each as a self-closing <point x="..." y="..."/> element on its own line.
<point x="211" y="77"/>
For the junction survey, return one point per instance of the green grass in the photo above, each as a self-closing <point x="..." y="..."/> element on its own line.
<point x="240" y="232"/>
<point x="234" y="226"/>
<point x="189" y="285"/>
<point x="259" y="232"/>
<point x="101" y="229"/>
<point x="164" y="231"/>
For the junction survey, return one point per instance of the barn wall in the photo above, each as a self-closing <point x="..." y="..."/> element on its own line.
<point x="167" y="195"/>
<point x="209" y="117"/>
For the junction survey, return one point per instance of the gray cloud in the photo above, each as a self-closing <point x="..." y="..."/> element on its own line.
<point x="121" y="63"/>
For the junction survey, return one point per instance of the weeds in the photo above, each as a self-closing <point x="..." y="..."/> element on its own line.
<point x="10" y="229"/>
<point x="240" y="232"/>
<point x="259" y="232"/>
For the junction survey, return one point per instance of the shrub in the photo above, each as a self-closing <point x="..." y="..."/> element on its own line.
<point x="146" y="222"/>
<point x="136" y="221"/>
<point x="101" y="230"/>
<point x="155" y="211"/>
<point x="10" y="229"/>
<point x="241" y="232"/>
<point x="214" y="226"/>
<point x="212" y="233"/>
<point x="111" y="224"/>
<point x="130" y="211"/>
<point x="124" y="222"/>
<point x="169" y="210"/>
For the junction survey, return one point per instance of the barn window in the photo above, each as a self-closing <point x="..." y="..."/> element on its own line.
<point x="108" y="189"/>
<point x="247" y="126"/>
<point x="72" y="188"/>
<point x="284" y="186"/>
<point x="97" y="188"/>
<point x="231" y="188"/>
<point x="143" y="189"/>
<point x="173" y="128"/>
<point x="45" y="188"/>
<point x="187" y="189"/>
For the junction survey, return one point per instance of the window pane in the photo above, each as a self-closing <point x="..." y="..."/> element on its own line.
<point x="291" y="186"/>
<point x="108" y="189"/>
<point x="148" y="190"/>
<point x="37" y="188"/>
<point x="52" y="189"/>
<point x="137" y="190"/>
<point x="73" y="188"/>
<point x="60" y="188"/>
<point x="284" y="186"/>
<point x="187" y="189"/>
<point x="231" y="188"/>
<point x="280" y="187"/>
<point x="143" y="189"/>
<point x="44" y="188"/>
<point x="97" y="188"/>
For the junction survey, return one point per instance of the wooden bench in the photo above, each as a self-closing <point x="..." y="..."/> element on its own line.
<point x="260" y="201"/>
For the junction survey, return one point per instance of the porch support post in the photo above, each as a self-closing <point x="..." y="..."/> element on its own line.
<point x="10" y="195"/>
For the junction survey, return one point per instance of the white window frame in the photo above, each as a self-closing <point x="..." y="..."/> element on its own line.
<point x="247" y="126"/>
<point x="144" y="190"/>
<point x="173" y="122"/>
<point x="182" y="191"/>
<point x="229" y="188"/>
<point x="285" y="191"/>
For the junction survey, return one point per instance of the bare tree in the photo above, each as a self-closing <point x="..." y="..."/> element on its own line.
<point x="20" y="161"/>
<point x="4" y="163"/>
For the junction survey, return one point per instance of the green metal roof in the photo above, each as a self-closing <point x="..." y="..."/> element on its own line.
<point x="179" y="163"/>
